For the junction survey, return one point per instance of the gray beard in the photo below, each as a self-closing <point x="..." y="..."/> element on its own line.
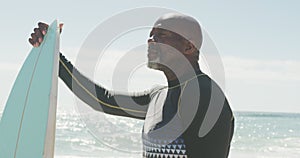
<point x="154" y="64"/>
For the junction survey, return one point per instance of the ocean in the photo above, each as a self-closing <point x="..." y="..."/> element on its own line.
<point x="257" y="135"/>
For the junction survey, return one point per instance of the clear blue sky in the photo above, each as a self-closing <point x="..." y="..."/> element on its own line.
<point x="258" y="41"/>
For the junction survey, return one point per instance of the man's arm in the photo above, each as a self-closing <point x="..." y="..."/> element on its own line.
<point x="99" y="98"/>
<point x="95" y="96"/>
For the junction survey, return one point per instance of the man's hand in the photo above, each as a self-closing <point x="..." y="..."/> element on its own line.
<point x="39" y="33"/>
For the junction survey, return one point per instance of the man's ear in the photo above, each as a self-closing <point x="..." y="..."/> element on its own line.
<point x="189" y="49"/>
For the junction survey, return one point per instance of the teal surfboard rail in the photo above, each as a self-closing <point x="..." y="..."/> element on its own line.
<point x="27" y="127"/>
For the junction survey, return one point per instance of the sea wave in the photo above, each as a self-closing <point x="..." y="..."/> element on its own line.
<point x="257" y="135"/>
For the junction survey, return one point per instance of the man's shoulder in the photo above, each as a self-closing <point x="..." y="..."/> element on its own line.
<point x="205" y="82"/>
<point x="156" y="89"/>
<point x="203" y="87"/>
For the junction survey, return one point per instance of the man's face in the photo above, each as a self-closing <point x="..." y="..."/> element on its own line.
<point x="163" y="49"/>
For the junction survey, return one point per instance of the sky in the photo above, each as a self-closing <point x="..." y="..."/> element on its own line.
<point x="258" y="42"/>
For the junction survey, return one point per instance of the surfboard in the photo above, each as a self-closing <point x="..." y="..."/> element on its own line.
<point x="27" y="127"/>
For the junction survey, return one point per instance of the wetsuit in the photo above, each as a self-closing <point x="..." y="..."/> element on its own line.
<point x="184" y="106"/>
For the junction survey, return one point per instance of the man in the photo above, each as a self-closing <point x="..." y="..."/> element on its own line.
<point x="173" y="114"/>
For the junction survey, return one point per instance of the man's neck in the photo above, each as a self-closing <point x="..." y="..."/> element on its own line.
<point x="183" y="73"/>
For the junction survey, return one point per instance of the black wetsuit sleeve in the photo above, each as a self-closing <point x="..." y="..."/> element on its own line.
<point x="98" y="98"/>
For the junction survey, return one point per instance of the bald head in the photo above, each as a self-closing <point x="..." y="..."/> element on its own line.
<point x="183" y="25"/>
